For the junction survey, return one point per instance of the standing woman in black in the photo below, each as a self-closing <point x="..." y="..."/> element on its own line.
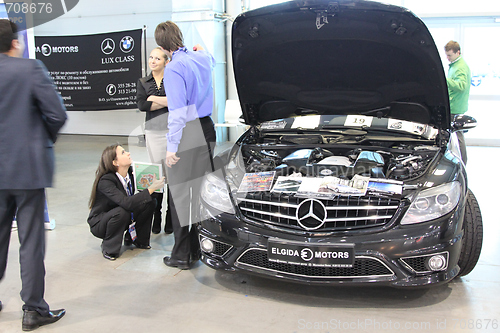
<point x="114" y="206"/>
<point x="152" y="100"/>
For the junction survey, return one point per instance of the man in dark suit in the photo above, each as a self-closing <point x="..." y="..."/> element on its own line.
<point x="31" y="114"/>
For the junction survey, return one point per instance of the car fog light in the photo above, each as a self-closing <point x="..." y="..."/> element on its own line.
<point x="207" y="245"/>
<point x="437" y="262"/>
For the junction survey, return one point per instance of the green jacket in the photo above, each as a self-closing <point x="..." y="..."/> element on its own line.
<point x="459" y="80"/>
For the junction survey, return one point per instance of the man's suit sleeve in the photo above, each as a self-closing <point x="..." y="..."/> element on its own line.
<point x="109" y="187"/>
<point x="48" y="100"/>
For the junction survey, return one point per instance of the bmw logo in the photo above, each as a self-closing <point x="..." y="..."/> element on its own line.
<point x="127" y="44"/>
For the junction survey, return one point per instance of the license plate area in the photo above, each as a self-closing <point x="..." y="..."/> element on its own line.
<point x="307" y="254"/>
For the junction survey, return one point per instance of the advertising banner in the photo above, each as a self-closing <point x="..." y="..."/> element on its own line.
<point x="94" y="72"/>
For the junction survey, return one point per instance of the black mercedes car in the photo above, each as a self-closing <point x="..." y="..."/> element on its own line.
<point x="349" y="171"/>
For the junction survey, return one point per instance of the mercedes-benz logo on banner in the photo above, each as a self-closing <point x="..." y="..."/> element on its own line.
<point x="311" y="214"/>
<point x="111" y="89"/>
<point x="46" y="50"/>
<point x="127" y="44"/>
<point x="108" y="46"/>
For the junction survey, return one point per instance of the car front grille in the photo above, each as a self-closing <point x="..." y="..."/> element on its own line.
<point x="343" y="212"/>
<point x="363" y="267"/>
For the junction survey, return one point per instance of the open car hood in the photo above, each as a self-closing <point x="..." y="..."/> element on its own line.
<point x="337" y="58"/>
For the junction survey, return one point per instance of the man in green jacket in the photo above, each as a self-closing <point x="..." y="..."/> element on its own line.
<point x="459" y="80"/>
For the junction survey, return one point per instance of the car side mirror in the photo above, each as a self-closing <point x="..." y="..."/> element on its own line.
<point x="463" y="122"/>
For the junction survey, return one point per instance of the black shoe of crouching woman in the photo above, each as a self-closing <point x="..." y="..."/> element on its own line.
<point x="128" y="242"/>
<point x="109" y="256"/>
<point x="141" y="246"/>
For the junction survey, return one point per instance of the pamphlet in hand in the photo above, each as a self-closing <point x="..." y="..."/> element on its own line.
<point x="144" y="174"/>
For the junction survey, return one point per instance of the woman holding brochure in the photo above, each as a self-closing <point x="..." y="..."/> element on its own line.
<point x="114" y="208"/>
<point x="152" y="100"/>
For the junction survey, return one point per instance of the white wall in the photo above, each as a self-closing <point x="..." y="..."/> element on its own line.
<point x="486" y="113"/>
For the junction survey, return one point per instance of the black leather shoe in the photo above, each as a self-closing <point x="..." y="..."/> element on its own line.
<point x="109" y="256"/>
<point x="168" y="231"/>
<point x="156" y="230"/>
<point x="180" y="264"/>
<point x="142" y="246"/>
<point x="32" y="319"/>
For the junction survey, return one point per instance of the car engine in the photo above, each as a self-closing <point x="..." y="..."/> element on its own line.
<point x="398" y="162"/>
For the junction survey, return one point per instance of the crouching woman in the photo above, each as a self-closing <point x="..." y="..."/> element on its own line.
<point x="114" y="207"/>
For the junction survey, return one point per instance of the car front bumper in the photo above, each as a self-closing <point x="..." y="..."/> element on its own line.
<point x="397" y="256"/>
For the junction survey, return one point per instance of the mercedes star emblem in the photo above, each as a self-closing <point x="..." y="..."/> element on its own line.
<point x="311" y="214"/>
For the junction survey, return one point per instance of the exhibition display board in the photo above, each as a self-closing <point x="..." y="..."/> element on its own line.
<point x="94" y="72"/>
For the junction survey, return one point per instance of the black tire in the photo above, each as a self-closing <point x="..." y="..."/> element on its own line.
<point x="473" y="235"/>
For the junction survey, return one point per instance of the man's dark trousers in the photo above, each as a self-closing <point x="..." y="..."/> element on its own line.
<point x="30" y="205"/>
<point x="184" y="180"/>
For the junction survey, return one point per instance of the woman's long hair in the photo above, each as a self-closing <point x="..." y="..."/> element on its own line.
<point x="105" y="166"/>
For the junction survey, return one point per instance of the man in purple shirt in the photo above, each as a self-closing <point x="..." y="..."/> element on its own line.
<point x="191" y="136"/>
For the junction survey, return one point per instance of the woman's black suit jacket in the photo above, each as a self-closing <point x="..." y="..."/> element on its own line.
<point x="111" y="194"/>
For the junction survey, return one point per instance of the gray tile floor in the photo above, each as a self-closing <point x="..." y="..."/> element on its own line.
<point x="138" y="293"/>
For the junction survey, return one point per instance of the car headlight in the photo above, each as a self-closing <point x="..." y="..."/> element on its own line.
<point x="433" y="203"/>
<point x="214" y="193"/>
